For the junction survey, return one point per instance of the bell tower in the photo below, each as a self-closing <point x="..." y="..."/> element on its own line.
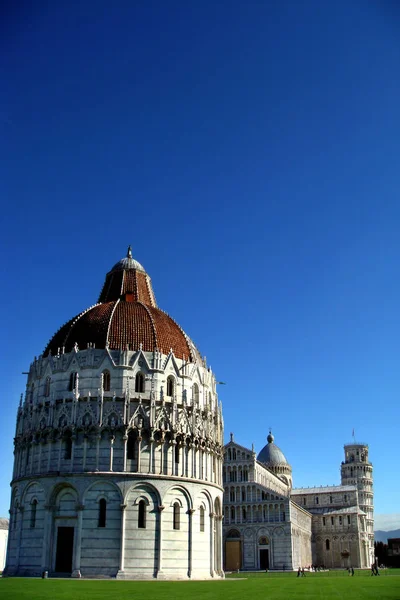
<point x="357" y="470"/>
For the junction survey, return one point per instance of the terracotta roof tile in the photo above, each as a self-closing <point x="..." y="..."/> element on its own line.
<point x="126" y="315"/>
<point x="125" y="324"/>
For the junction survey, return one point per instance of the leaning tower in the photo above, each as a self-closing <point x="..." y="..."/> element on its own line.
<point x="357" y="470"/>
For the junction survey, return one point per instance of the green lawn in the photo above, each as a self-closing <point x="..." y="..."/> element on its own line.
<point x="335" y="585"/>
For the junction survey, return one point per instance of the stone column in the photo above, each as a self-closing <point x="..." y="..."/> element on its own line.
<point x="120" y="574"/>
<point x="219" y="541"/>
<point x="15" y="463"/>
<point x="20" y="509"/>
<point x="162" y="456"/>
<point x="46" y="545"/>
<point x="59" y="453"/>
<point x="160" y="574"/>
<point x="39" y="470"/>
<point x="151" y="454"/>
<point x="212" y="544"/>
<point x="139" y="450"/>
<point x="85" y="439"/>
<point x="125" y="443"/>
<point x="183" y="457"/>
<point x="49" y="448"/>
<point x="172" y="447"/>
<point x="76" y="572"/>
<point x="33" y="444"/>
<point x="112" y="439"/>
<point x="193" y="446"/>
<point x="73" y="440"/>
<point x="190" y="534"/>
<point x="98" y="450"/>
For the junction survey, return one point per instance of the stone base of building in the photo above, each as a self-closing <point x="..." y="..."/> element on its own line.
<point x="169" y="575"/>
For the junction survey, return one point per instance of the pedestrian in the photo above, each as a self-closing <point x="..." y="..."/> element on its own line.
<point x="302" y="572"/>
<point x="352" y="572"/>
<point x="299" y="572"/>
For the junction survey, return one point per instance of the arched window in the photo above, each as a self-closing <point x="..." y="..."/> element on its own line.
<point x="170" y="386"/>
<point x="67" y="448"/>
<point x="139" y="383"/>
<point x="33" y="513"/>
<point x="142" y="515"/>
<point x="106" y="381"/>
<point x="201" y="518"/>
<point x="47" y="387"/>
<point x="232" y="495"/>
<point x="195" y="391"/>
<point x="232" y="513"/>
<point x="327" y="544"/>
<point x="72" y="382"/>
<point x="130" y="446"/>
<point x="209" y="400"/>
<point x="177" y="516"/>
<point x="102" y="513"/>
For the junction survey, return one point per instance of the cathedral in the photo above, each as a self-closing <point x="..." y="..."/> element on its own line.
<point x="118" y="446"/>
<point x="268" y="524"/>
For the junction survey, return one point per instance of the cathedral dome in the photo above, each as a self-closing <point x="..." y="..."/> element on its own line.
<point x="271" y="455"/>
<point x="126" y="316"/>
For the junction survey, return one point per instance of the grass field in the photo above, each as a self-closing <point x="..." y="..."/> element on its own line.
<point x="335" y="585"/>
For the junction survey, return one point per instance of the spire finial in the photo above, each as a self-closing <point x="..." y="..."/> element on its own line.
<point x="129" y="253"/>
<point x="270" y="437"/>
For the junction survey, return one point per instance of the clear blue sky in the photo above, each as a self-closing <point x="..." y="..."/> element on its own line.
<point x="249" y="152"/>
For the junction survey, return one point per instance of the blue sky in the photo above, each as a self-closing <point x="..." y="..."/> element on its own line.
<point x="249" y="152"/>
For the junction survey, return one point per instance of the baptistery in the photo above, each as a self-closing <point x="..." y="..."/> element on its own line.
<point x="118" y="446"/>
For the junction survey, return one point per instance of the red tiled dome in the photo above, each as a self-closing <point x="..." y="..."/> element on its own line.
<point x="126" y="316"/>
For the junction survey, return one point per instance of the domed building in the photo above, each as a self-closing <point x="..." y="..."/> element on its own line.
<point x="273" y="458"/>
<point x="118" y="446"/>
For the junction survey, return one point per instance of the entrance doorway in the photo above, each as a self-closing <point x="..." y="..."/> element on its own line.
<point x="264" y="559"/>
<point x="233" y="553"/>
<point x="65" y="548"/>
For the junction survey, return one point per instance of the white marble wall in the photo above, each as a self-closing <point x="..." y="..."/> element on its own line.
<point x="72" y="451"/>
<point x="121" y="548"/>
